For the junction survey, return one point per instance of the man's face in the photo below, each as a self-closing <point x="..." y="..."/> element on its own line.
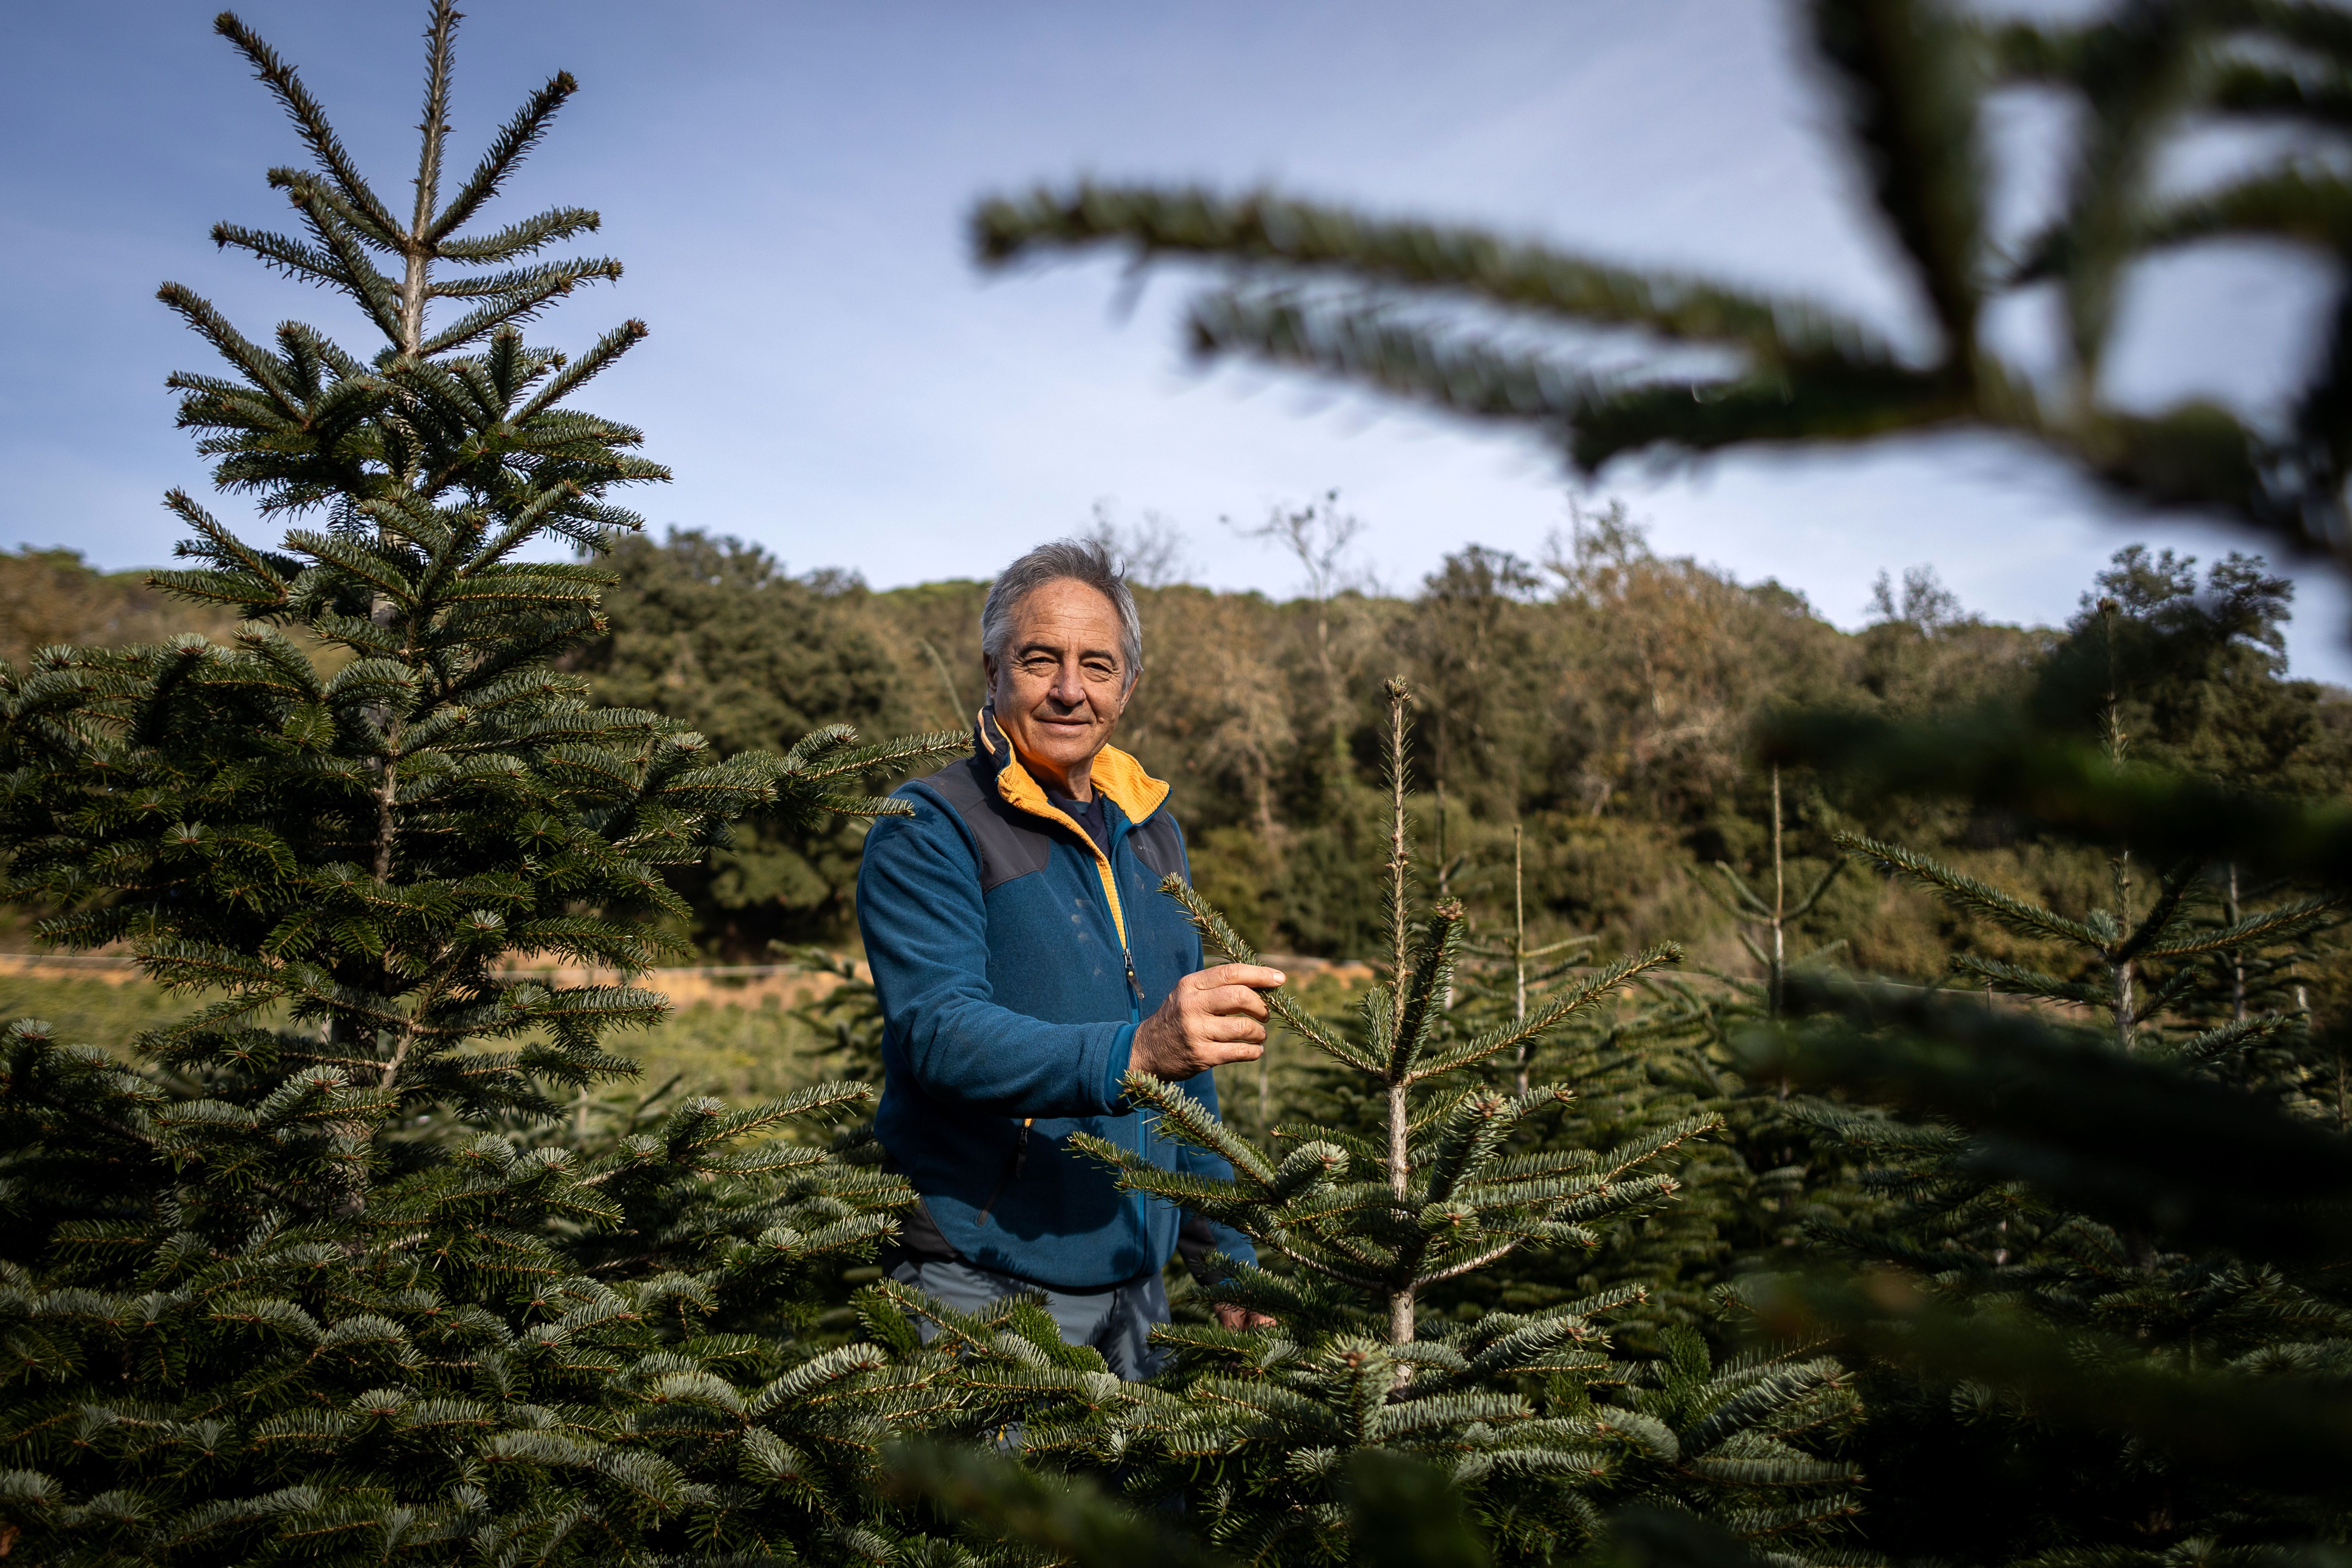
<point x="1061" y="684"/>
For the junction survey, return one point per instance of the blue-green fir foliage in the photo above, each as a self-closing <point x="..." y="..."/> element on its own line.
<point x="317" y="1274"/>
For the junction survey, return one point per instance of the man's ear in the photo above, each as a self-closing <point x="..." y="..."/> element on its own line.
<point x="988" y="678"/>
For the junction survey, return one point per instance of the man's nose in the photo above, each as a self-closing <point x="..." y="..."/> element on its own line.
<point x="1067" y="689"/>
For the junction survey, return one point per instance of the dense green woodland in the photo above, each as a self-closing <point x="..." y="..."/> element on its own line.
<point x="1807" y="1099"/>
<point x="1603" y="699"/>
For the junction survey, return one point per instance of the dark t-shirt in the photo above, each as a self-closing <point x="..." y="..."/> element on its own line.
<point x="1088" y="817"/>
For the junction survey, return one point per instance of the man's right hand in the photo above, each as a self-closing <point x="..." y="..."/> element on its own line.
<point x="1214" y="1016"/>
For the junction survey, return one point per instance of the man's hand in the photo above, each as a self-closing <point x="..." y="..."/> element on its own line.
<point x="1213" y="1017"/>
<point x="1238" y="1318"/>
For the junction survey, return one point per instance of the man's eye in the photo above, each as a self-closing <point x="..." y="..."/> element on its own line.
<point x="1102" y="672"/>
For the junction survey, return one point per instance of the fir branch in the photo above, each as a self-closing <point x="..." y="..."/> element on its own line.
<point x="1220" y="938"/>
<point x="2161" y="914"/>
<point x="331" y="222"/>
<point x="2283" y="923"/>
<point x="310" y="122"/>
<point x="507" y="149"/>
<point x="259" y="364"/>
<point x="1187" y="1119"/>
<point x="1578" y="999"/>
<point x="1902" y="71"/>
<point x="1430" y="973"/>
<point x="2225" y="1040"/>
<point x="524" y="238"/>
<point x="290" y="257"/>
<point x="2018" y="981"/>
<point x="524" y="304"/>
<point x="1266" y="229"/>
<point x="1966" y="892"/>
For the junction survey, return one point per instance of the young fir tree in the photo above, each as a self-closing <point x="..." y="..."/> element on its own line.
<point x="1767" y="921"/>
<point x="252" y="1311"/>
<point x="2142" y="955"/>
<point x="2106" y="1290"/>
<point x="2194" y="672"/>
<point x="1634" y="1063"/>
<point x="1529" y="1412"/>
<point x="2144" y="979"/>
<point x="1767" y="1170"/>
<point x="1527" y="967"/>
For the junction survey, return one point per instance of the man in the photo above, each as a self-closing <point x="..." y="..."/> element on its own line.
<point x="1025" y="960"/>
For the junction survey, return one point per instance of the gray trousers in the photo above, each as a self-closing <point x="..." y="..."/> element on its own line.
<point x="1117" y="1321"/>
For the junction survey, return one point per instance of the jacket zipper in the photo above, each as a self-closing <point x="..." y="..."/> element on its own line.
<point x="1135" y="1201"/>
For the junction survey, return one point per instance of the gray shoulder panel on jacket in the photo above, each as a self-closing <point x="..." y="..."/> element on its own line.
<point x="1009" y="848"/>
<point x="1159" y="844"/>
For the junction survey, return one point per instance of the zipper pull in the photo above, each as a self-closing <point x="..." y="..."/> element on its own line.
<point x="1134" y="989"/>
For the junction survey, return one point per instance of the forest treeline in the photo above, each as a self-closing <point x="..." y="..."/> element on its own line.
<point x="1603" y="699"/>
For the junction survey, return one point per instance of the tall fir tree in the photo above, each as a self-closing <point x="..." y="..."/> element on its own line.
<point x="262" y="1299"/>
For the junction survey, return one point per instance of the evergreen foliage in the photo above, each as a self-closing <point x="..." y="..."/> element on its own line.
<point x="325" y="1274"/>
<point x="1985" y="1241"/>
<point x="714" y="633"/>
<point x="1472" y="321"/>
<point x="2107" y="1285"/>
<point x="365" y="1260"/>
<point x="1770" y="920"/>
<point x="1433" y="1197"/>
<point x="846" y="1020"/>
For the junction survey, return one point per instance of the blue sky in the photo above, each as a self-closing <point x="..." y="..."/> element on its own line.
<point x="829" y="376"/>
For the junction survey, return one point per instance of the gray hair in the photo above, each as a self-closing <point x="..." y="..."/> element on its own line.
<point x="1074" y="559"/>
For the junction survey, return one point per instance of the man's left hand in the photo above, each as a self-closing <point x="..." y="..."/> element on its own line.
<point x="1239" y="1318"/>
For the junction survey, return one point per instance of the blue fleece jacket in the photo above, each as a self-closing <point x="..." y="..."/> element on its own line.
<point x="1014" y="960"/>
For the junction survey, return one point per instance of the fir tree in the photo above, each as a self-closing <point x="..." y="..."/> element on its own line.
<point x="1640" y="1061"/>
<point x="1428" y="1200"/>
<point x="1979" y="1231"/>
<point x="1768" y="920"/>
<point x="324" y="1273"/>
<point x="2137" y="962"/>
<point x="1549" y="965"/>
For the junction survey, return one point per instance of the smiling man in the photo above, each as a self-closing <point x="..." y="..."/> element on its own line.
<point x="1026" y="960"/>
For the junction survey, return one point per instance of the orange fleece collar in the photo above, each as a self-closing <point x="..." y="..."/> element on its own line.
<point x="1120" y="777"/>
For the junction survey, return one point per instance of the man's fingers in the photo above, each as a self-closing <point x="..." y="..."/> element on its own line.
<point x="1254" y="975"/>
<point x="1219" y="1053"/>
<point x="1227" y="1029"/>
<point x="1232" y="1000"/>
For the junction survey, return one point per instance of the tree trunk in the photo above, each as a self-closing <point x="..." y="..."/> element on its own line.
<point x="1401" y="1302"/>
<point x="1775" y="981"/>
<point x="2237" y="957"/>
<point x="1519" y="946"/>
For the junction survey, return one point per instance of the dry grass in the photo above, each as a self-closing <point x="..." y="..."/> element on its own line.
<point x="741" y="1042"/>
